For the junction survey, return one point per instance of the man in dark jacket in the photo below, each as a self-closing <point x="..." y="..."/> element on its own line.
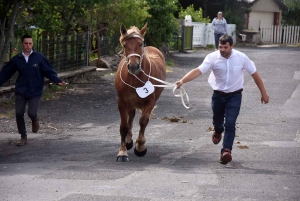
<point x="32" y="67"/>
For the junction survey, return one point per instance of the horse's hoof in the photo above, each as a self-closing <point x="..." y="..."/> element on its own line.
<point x="129" y="145"/>
<point x="140" y="153"/>
<point x="122" y="159"/>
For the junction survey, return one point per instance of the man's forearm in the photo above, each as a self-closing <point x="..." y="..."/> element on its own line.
<point x="191" y="75"/>
<point x="258" y="81"/>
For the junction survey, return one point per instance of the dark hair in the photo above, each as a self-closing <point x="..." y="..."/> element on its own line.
<point x="226" y="38"/>
<point x="25" y="36"/>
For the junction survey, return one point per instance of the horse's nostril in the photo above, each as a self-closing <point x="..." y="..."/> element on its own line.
<point x="131" y="66"/>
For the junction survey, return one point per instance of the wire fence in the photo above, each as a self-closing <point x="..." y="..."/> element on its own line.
<point x="63" y="52"/>
<point x="108" y="45"/>
<point x="73" y="51"/>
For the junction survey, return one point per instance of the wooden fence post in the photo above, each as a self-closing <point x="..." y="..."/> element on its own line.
<point x="58" y="53"/>
<point x="51" y="47"/>
<point x="72" y="48"/>
<point x="297" y="34"/>
<point x="182" y="38"/>
<point x="44" y="43"/>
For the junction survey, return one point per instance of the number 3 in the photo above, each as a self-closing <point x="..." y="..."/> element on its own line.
<point x="146" y="90"/>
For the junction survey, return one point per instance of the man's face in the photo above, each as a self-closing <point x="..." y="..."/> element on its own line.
<point x="27" y="44"/>
<point x="225" y="49"/>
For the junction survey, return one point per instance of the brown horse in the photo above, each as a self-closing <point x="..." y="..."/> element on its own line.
<point x="138" y="64"/>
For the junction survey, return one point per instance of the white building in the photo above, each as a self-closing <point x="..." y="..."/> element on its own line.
<point x="264" y="13"/>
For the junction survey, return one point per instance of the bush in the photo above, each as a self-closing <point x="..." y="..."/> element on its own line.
<point x="197" y="15"/>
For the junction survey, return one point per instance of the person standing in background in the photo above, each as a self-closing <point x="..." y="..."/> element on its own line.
<point x="220" y="27"/>
<point x="32" y="67"/>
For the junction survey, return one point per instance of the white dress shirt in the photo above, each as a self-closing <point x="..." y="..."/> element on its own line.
<point x="25" y="56"/>
<point x="227" y="74"/>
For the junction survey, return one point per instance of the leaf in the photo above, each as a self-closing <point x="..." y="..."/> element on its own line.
<point x="243" y="147"/>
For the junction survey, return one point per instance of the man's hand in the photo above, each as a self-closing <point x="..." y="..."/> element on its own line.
<point x="179" y="84"/>
<point x="61" y="83"/>
<point x="264" y="98"/>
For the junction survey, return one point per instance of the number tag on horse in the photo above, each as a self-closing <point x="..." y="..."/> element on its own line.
<point x="146" y="90"/>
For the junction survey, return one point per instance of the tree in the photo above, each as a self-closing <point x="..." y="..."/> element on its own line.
<point x="233" y="10"/>
<point x="117" y="12"/>
<point x="196" y="15"/>
<point x="66" y="16"/>
<point x="292" y="15"/>
<point x="162" y="25"/>
<point x="61" y="17"/>
<point x="57" y="16"/>
<point x="10" y="10"/>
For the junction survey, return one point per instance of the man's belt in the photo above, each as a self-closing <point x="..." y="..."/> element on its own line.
<point x="221" y="93"/>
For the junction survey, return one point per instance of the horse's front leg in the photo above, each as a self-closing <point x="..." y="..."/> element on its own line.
<point x="124" y="128"/>
<point x="129" y="142"/>
<point x="140" y="144"/>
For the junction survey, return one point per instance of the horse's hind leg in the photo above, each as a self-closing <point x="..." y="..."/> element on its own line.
<point x="140" y="144"/>
<point x="124" y="128"/>
<point x="129" y="142"/>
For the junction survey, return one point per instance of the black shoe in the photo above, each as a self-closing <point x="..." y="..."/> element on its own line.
<point x="35" y="125"/>
<point x="216" y="138"/>
<point x="21" y="142"/>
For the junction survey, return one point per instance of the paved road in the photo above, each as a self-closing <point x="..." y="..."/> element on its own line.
<point x="73" y="157"/>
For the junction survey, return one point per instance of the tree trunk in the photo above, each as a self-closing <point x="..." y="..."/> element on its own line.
<point x="205" y="8"/>
<point x="9" y="32"/>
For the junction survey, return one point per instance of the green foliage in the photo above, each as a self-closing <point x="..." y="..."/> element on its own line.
<point x="175" y="43"/>
<point x="197" y="15"/>
<point x="232" y="18"/>
<point x="292" y="15"/>
<point x="234" y="12"/>
<point x="170" y="62"/>
<point x="58" y="16"/>
<point x="210" y="46"/>
<point x="162" y="25"/>
<point x="117" y="12"/>
<point x="51" y="92"/>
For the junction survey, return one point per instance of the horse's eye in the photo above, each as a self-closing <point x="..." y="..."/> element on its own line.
<point x="142" y="45"/>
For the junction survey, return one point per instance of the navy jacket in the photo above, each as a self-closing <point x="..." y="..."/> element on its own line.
<point x="30" y="81"/>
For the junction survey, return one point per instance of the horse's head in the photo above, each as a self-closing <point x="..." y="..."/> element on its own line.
<point x="132" y="41"/>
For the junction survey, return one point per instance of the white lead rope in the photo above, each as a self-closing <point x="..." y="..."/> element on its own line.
<point x="170" y="85"/>
<point x="182" y="93"/>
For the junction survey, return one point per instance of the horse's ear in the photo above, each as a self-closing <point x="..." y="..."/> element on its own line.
<point x="123" y="29"/>
<point x="143" y="30"/>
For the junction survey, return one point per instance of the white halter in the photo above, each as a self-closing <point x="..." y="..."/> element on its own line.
<point x="165" y="84"/>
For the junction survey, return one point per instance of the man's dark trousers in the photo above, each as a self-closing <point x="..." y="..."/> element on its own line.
<point x="20" y="103"/>
<point x="226" y="107"/>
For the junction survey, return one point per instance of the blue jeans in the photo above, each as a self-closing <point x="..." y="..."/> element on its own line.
<point x="217" y="36"/>
<point x="226" y="107"/>
<point x="20" y="104"/>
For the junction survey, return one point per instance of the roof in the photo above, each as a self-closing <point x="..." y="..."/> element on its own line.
<point x="281" y="5"/>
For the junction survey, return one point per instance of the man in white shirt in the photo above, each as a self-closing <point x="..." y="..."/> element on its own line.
<point x="227" y="80"/>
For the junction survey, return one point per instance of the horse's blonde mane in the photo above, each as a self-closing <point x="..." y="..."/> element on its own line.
<point x="133" y="30"/>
